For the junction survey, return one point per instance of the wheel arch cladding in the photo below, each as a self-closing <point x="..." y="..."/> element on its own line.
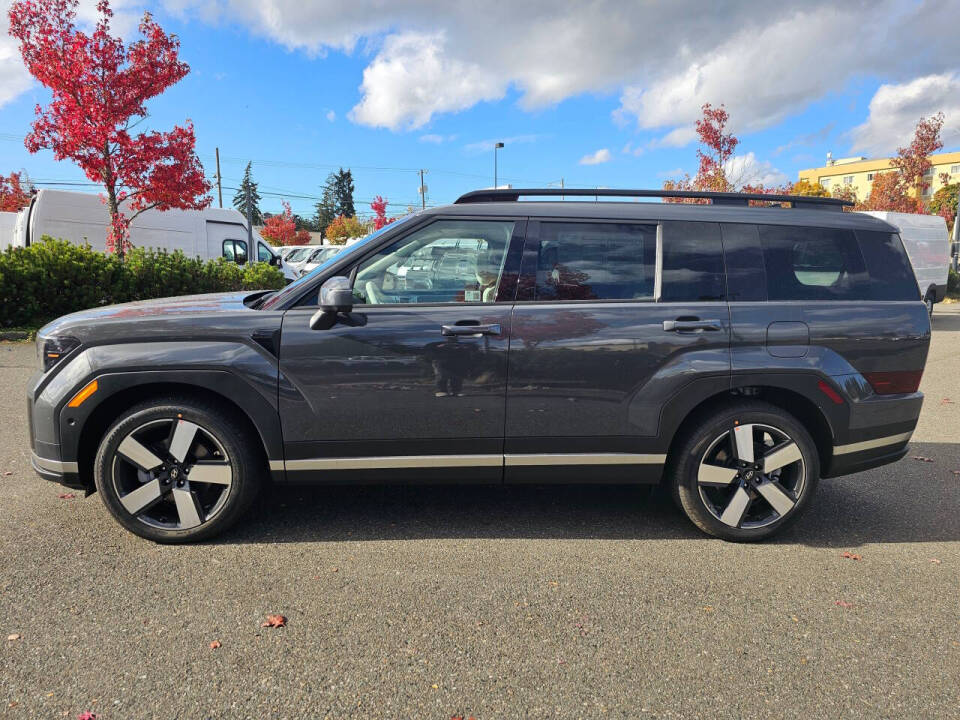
<point x="793" y="403"/>
<point x="93" y="429"/>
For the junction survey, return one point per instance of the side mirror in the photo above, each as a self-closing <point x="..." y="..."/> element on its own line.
<point x="336" y="296"/>
<point x="276" y="261"/>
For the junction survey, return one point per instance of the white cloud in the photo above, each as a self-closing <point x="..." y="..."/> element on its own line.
<point x="331" y="115"/>
<point x="412" y="77"/>
<point x="475" y="148"/>
<point x="600" y="156"/>
<point x="678" y="137"/>
<point x="435" y="139"/>
<point x="747" y="170"/>
<point x="14" y="78"/>
<point x="896" y="108"/>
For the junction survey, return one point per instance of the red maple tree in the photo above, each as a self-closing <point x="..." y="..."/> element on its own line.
<point x="379" y="207"/>
<point x="13" y="194"/>
<point x="719" y="146"/>
<point x="99" y="88"/>
<point x="282" y="229"/>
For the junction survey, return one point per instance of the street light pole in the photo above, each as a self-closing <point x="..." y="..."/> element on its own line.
<point x="496" y="147"/>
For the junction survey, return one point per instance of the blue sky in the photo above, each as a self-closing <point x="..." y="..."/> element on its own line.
<point x="302" y="91"/>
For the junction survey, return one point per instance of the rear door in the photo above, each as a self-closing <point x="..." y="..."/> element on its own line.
<point x="613" y="320"/>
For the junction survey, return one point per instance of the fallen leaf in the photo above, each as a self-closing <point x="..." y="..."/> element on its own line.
<point x="935" y="561"/>
<point x="66" y="496"/>
<point x="86" y="715"/>
<point x="7" y="473"/>
<point x="850" y="556"/>
<point x="274" y="621"/>
<point x="921" y="458"/>
<point x="795" y="618"/>
<point x="334" y="569"/>
<point x="946" y="401"/>
<point x="15" y="636"/>
<point x="435" y="686"/>
<point x="215" y="644"/>
<point x="844" y="604"/>
<point x="708" y="608"/>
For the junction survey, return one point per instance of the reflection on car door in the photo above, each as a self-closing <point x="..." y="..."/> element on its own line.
<point x="412" y="383"/>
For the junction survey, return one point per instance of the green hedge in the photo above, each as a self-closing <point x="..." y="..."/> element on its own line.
<point x="953" y="283"/>
<point x="52" y="278"/>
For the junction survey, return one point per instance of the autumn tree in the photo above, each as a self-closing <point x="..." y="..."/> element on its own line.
<point x="344" y="228"/>
<point x="809" y="189"/>
<point x="282" y="229"/>
<point x="14" y="194"/>
<point x="944" y="201"/>
<point x="715" y="150"/>
<point x="913" y="161"/>
<point x="247" y="197"/>
<point x="100" y="86"/>
<point x="379" y="207"/>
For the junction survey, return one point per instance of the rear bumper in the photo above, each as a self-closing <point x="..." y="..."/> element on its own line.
<point x="853" y="459"/>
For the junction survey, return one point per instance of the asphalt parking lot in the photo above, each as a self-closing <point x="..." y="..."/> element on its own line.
<point x="432" y="602"/>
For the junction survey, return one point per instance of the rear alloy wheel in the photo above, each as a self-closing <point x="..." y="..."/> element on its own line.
<point x="746" y="473"/>
<point x="175" y="471"/>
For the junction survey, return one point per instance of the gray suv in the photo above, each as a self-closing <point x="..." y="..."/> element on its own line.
<point x="735" y="353"/>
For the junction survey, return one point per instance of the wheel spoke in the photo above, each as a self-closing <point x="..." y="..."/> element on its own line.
<point x="138" y="454"/>
<point x="743" y="437"/>
<point x="216" y="473"/>
<point x="736" y="508"/>
<point x="182" y="439"/>
<point x="143" y="497"/>
<point x="778" y="499"/>
<point x="716" y="476"/>
<point x="186" y="508"/>
<point x="780" y="456"/>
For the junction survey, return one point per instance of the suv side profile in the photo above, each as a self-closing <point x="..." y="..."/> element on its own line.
<point x="735" y="353"/>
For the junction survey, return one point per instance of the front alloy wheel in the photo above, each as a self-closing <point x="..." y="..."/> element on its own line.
<point x="177" y="470"/>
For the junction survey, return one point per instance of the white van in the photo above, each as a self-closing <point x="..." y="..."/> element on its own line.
<point x="8" y="224"/>
<point x="927" y="243"/>
<point x="82" y="218"/>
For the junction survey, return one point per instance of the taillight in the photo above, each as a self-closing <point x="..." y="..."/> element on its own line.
<point x="894" y="382"/>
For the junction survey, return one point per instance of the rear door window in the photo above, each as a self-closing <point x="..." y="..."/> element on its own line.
<point x="692" y="262"/>
<point x="596" y="261"/>
<point x="804" y="263"/>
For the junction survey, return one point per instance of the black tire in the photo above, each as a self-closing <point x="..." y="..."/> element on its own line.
<point x="114" y="473"/>
<point x="703" y="444"/>
<point x="929" y="301"/>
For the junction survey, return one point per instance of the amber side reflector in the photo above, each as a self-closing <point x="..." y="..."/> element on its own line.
<point x="830" y="392"/>
<point x="88" y="390"/>
<point x="895" y="382"/>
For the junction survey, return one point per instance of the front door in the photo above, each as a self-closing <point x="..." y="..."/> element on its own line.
<point x="412" y="383"/>
<point x="614" y="321"/>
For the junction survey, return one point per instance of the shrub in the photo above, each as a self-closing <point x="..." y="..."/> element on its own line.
<point x="52" y="278"/>
<point x="953" y="283"/>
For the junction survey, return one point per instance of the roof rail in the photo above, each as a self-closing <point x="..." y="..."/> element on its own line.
<point x="715" y="198"/>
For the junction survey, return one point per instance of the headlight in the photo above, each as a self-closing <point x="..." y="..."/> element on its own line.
<point x="51" y="350"/>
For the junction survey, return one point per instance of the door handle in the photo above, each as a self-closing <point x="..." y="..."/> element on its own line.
<point x="692" y="325"/>
<point x="471" y="330"/>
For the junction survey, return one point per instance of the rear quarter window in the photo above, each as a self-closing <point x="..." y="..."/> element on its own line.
<point x="891" y="275"/>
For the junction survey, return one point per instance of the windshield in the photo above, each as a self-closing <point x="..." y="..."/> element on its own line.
<point x="358" y="247"/>
<point x="297" y="255"/>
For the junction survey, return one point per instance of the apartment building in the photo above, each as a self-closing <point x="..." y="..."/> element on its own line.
<point x="858" y="172"/>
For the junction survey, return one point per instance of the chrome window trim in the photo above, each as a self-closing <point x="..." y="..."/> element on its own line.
<point x="385" y="462"/>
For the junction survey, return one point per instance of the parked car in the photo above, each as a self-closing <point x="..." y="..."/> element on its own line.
<point x="737" y="354"/>
<point x="284" y="250"/>
<point x="81" y="218"/>
<point x="317" y="258"/>
<point x="927" y="243"/>
<point x="298" y="255"/>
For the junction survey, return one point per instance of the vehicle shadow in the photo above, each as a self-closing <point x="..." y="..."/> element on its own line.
<point x="910" y="501"/>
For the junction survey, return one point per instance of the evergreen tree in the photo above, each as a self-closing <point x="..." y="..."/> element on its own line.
<point x="248" y="188"/>
<point x="326" y="208"/>
<point x="343" y="193"/>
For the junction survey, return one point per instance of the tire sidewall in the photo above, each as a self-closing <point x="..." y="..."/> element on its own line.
<point x="686" y="486"/>
<point x="242" y="486"/>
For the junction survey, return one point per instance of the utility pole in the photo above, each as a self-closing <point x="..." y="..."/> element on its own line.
<point x="423" y="191"/>
<point x="251" y="252"/>
<point x="496" y="147"/>
<point x="219" y="187"/>
<point x="561" y="189"/>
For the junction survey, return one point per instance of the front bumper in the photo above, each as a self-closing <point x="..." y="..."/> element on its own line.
<point x="64" y="473"/>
